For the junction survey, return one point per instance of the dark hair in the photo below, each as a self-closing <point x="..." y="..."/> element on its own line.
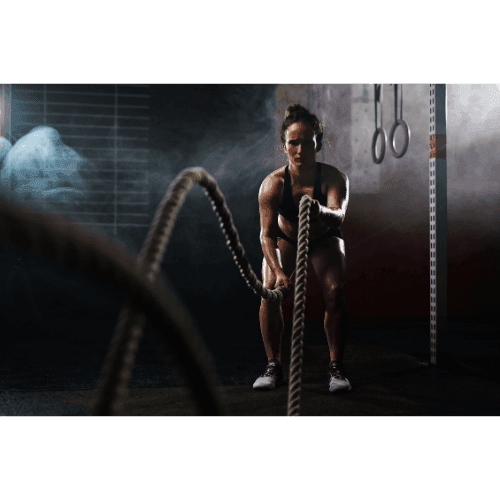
<point x="297" y="113"/>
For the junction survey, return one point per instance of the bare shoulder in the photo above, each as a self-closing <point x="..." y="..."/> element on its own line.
<point x="272" y="185"/>
<point x="335" y="177"/>
<point x="333" y="173"/>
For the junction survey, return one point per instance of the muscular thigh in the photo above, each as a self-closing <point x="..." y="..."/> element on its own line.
<point x="328" y="261"/>
<point x="287" y="255"/>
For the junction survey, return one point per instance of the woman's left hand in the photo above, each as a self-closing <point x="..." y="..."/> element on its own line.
<point x="315" y="209"/>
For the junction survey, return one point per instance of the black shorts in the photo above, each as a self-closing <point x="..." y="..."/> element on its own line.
<point x="333" y="231"/>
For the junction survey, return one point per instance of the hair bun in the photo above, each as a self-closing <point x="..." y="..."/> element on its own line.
<point x="294" y="109"/>
<point x="297" y="113"/>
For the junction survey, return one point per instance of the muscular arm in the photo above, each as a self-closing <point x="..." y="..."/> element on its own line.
<point x="270" y="253"/>
<point x="337" y="198"/>
<point x="268" y="208"/>
<point x="331" y="217"/>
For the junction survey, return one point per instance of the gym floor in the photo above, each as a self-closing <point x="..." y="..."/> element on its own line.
<point x="386" y="362"/>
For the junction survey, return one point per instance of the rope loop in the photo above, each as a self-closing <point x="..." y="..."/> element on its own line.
<point x="148" y="298"/>
<point x="118" y="366"/>
<point x="92" y="253"/>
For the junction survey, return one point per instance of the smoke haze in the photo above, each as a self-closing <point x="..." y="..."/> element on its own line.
<point x="230" y="130"/>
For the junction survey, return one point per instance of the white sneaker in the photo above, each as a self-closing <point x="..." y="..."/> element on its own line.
<point x="338" y="380"/>
<point x="272" y="377"/>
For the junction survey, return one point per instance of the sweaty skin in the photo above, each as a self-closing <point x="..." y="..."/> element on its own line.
<point x="327" y="258"/>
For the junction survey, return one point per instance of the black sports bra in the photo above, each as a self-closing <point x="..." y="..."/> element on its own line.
<point x="287" y="209"/>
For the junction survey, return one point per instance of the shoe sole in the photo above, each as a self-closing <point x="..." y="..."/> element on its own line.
<point x="264" y="388"/>
<point x="341" y="389"/>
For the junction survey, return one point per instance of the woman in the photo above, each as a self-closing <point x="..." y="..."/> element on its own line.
<point x="279" y="198"/>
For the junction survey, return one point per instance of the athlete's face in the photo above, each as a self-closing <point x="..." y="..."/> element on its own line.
<point x="301" y="146"/>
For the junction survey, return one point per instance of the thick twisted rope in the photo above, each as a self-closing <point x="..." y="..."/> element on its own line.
<point x="52" y="236"/>
<point x="299" y="307"/>
<point x="151" y="255"/>
<point x="117" y="370"/>
<point x="92" y="253"/>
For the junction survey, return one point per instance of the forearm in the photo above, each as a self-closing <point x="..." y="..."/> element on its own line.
<point x="329" y="217"/>
<point x="270" y="254"/>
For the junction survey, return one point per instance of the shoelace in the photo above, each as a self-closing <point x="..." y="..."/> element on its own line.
<point x="336" y="373"/>
<point x="272" y="371"/>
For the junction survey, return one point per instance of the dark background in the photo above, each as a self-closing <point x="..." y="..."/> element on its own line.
<point x="230" y="130"/>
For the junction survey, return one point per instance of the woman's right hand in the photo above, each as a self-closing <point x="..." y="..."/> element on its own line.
<point x="283" y="280"/>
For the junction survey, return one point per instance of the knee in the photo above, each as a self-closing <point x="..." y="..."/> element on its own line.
<point x="334" y="295"/>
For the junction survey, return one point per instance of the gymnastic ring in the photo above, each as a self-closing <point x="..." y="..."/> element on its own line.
<point x="380" y="131"/>
<point x="392" y="145"/>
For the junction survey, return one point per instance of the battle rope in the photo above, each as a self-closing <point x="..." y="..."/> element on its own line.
<point x="116" y="373"/>
<point x="78" y="249"/>
<point x="299" y="306"/>
<point x="93" y="253"/>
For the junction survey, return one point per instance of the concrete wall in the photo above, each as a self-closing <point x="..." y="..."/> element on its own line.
<point x="233" y="133"/>
<point x="387" y="224"/>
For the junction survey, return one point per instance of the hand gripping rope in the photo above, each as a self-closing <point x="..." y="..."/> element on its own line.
<point x="148" y="298"/>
